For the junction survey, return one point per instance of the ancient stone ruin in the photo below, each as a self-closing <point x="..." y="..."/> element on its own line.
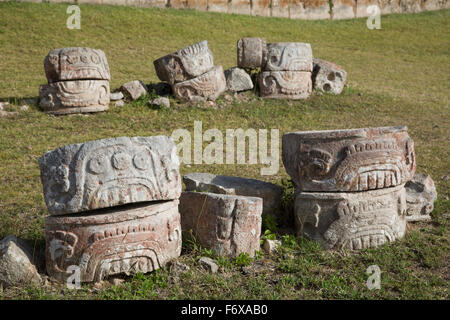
<point x="350" y="184"/>
<point x="191" y="73"/>
<point x="113" y="206"/>
<point x="328" y="77"/>
<point x="78" y="81"/>
<point x="420" y="197"/>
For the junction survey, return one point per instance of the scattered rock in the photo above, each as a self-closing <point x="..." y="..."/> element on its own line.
<point x="3" y="105"/>
<point x="420" y="197"/>
<point x="134" y="89"/>
<point x="206" y="182"/>
<point x="178" y="268"/>
<point x="238" y="80"/>
<point x="116" y="96"/>
<point x="16" y="267"/>
<point x="209" y="264"/>
<point x="116" y="281"/>
<point x="119" y="103"/>
<point x="328" y="77"/>
<point x="24" y="108"/>
<point x="7" y="114"/>
<point x="160" y="102"/>
<point x="228" y="98"/>
<point x="271" y="246"/>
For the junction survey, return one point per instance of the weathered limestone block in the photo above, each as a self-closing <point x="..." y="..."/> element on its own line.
<point x="16" y="266"/>
<point x="238" y="80"/>
<point x="352" y="220"/>
<point x="349" y="160"/>
<point x="420" y="197"/>
<point x="328" y="76"/>
<point x="200" y="5"/>
<point x="288" y="56"/>
<point x="239" y="6"/>
<point x="134" y="89"/>
<point x="228" y="224"/>
<point x="127" y="239"/>
<point x="344" y="9"/>
<point x="218" y="6"/>
<point x="309" y="9"/>
<point x="110" y="172"/>
<point x="185" y="64"/>
<point x="76" y="63"/>
<point x="261" y="8"/>
<point x="251" y="52"/>
<point x="206" y="182"/>
<point x="208" y="86"/>
<point x="280" y="8"/>
<point x="285" y="84"/>
<point x="76" y="96"/>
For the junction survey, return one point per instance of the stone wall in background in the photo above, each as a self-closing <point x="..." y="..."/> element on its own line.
<point x="294" y="9"/>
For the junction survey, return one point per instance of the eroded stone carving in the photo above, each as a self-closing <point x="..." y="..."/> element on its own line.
<point x="185" y="64"/>
<point x="76" y="96"/>
<point x="288" y="56"/>
<point x="110" y="172"/>
<point x="126" y="239"/>
<point x="251" y="52"/>
<point x="76" y="63"/>
<point x="420" y="197"/>
<point x="328" y="76"/>
<point x="349" y="160"/>
<point x="228" y="224"/>
<point x="352" y="220"/>
<point x="285" y="84"/>
<point x="208" y="86"/>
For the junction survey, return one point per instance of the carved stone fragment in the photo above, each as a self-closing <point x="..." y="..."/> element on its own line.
<point x="349" y="160"/>
<point x="127" y="239"/>
<point x="110" y="172"/>
<point x="420" y="197"/>
<point x="76" y="63"/>
<point x="206" y="182"/>
<point x="228" y="224"/>
<point x="185" y="64"/>
<point x="328" y="76"/>
<point x="76" y="96"/>
<point x="251" y="52"/>
<point x="285" y="84"/>
<point x="288" y="56"/>
<point x="208" y="86"/>
<point x="352" y="220"/>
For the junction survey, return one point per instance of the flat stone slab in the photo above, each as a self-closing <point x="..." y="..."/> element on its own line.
<point x="78" y="96"/>
<point x="208" y="86"/>
<point x="420" y="197"/>
<point x="328" y="77"/>
<point x="288" y="56"/>
<point x="76" y="63"/>
<point x="228" y="224"/>
<point x="134" y="89"/>
<point x="352" y="220"/>
<point x="185" y="64"/>
<point x="16" y="266"/>
<point x="238" y="80"/>
<point x="206" y="182"/>
<point x="293" y="85"/>
<point x="251" y="52"/>
<point x="110" y="172"/>
<point x="123" y="240"/>
<point x="349" y="160"/>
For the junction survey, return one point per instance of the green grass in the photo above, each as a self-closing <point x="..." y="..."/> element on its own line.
<point x="396" y="75"/>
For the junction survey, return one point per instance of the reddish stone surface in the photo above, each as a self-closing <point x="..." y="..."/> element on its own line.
<point x="280" y="8"/>
<point x="261" y="8"/>
<point x="128" y="239"/>
<point x="228" y="224"/>
<point x="239" y="6"/>
<point x="349" y="160"/>
<point x="344" y="9"/>
<point x="309" y="9"/>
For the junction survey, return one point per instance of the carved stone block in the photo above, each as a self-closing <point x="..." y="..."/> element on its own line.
<point x="349" y="160"/>
<point x="206" y="182"/>
<point x="76" y="63"/>
<point x="420" y="197"/>
<point x="285" y="84"/>
<point x="76" y="96"/>
<point x="126" y="239"/>
<point x="328" y="76"/>
<point x="110" y="172"/>
<point x="352" y="220"/>
<point x="208" y="86"/>
<point x="288" y="56"/>
<point x="185" y="64"/>
<point x="228" y="224"/>
<point x="251" y="52"/>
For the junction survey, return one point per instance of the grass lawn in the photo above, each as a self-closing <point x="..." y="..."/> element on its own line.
<point x="396" y="75"/>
